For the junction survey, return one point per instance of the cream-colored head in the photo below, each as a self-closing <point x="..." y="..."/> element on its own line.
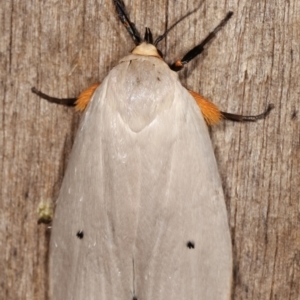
<point x="146" y="49"/>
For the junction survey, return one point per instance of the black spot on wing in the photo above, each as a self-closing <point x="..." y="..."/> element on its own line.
<point x="190" y="244"/>
<point x="80" y="234"/>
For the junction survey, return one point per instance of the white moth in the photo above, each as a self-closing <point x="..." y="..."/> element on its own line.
<point x="146" y="194"/>
<point x="141" y="213"/>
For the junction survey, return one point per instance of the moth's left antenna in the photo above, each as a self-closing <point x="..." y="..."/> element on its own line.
<point x="123" y="16"/>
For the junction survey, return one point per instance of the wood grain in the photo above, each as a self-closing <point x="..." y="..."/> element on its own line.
<point x="62" y="47"/>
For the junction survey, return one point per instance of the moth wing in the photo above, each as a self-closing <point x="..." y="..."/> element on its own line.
<point x="143" y="187"/>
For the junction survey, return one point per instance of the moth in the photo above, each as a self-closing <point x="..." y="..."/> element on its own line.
<point x="141" y="212"/>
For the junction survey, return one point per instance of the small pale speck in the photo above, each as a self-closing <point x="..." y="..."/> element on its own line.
<point x="69" y="191"/>
<point x="55" y="244"/>
<point x="122" y="157"/>
<point x="81" y="198"/>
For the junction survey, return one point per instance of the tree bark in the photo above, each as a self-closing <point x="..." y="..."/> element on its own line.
<point x="62" y="47"/>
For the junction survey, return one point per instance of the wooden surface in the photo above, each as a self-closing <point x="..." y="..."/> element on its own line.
<point x="62" y="47"/>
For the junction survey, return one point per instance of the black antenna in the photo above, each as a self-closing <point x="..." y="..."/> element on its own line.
<point x="123" y="16"/>
<point x="161" y="37"/>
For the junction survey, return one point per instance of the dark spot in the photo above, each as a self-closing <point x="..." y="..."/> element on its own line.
<point x="134" y="298"/>
<point x="158" y="78"/>
<point x="26" y="194"/>
<point x="294" y="115"/>
<point x="80" y="234"/>
<point x="190" y="244"/>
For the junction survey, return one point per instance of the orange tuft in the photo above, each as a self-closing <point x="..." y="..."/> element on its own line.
<point x="178" y="63"/>
<point x="211" y="113"/>
<point x="85" y="97"/>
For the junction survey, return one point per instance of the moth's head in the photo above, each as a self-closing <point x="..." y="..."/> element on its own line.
<point x="147" y="47"/>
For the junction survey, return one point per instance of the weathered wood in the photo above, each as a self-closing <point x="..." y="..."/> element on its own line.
<point x="63" y="46"/>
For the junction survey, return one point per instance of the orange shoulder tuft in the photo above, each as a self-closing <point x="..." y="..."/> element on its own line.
<point x="85" y="97"/>
<point x="210" y="111"/>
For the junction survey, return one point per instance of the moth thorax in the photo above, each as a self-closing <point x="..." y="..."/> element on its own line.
<point x="146" y="50"/>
